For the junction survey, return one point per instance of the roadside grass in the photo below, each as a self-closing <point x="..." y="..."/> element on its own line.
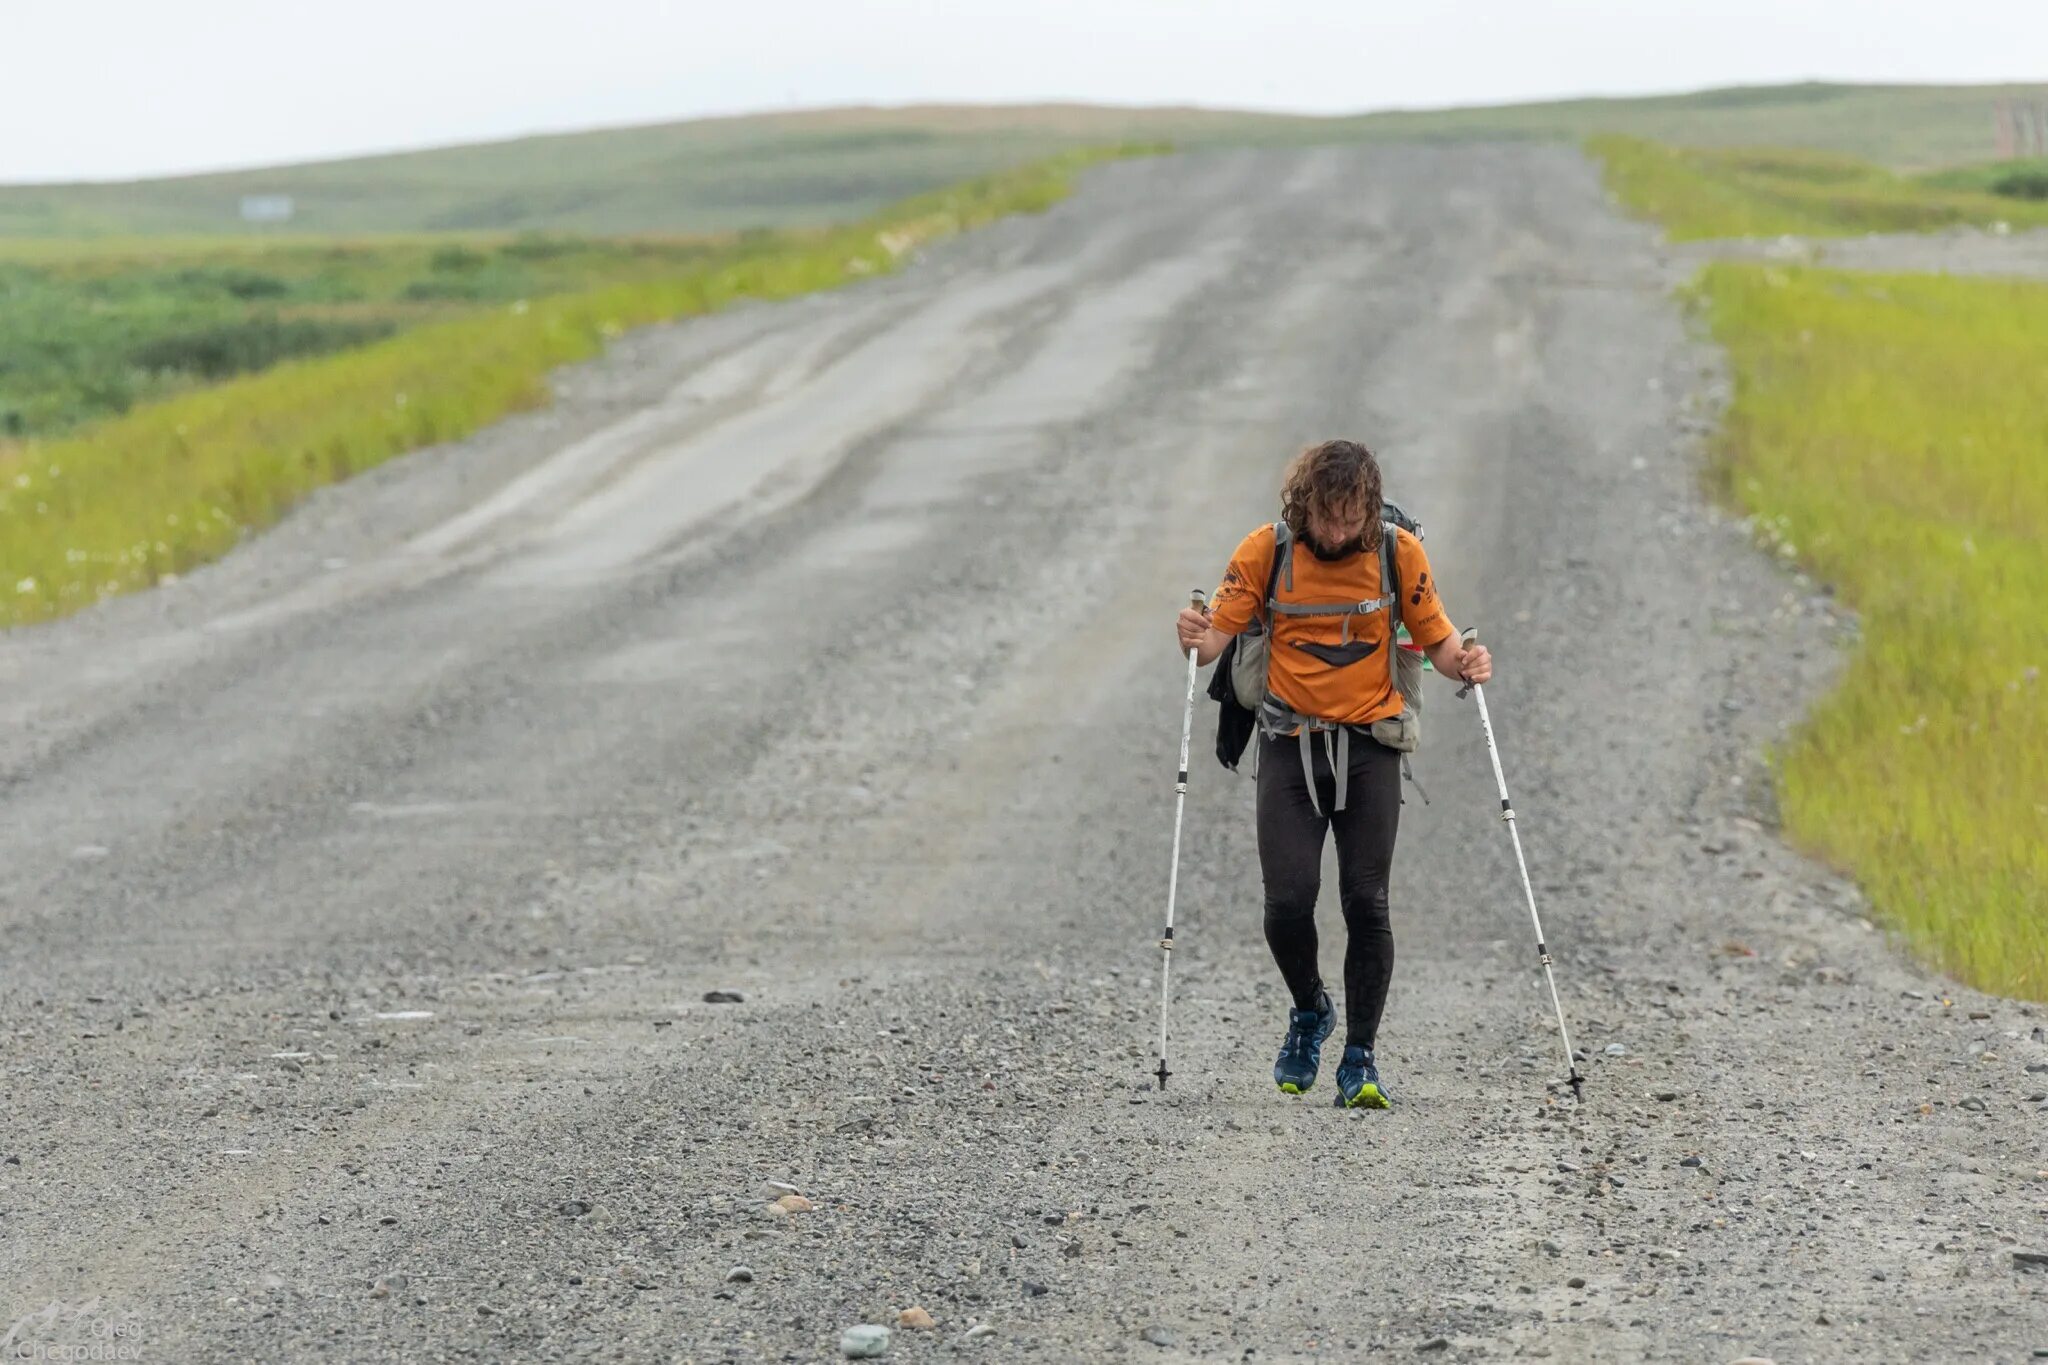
<point x="90" y="330"/>
<point x="1888" y="433"/>
<point x="175" y="483"/>
<point x="1769" y="191"/>
<point x="2018" y="179"/>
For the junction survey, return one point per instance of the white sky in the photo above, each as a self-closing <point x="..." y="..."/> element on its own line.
<point x="95" y="89"/>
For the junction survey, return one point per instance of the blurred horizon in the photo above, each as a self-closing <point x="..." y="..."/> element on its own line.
<point x="1022" y="106"/>
<point x="119" y="90"/>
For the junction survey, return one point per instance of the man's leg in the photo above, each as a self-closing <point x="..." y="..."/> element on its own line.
<point x="1291" y="837"/>
<point x="1365" y="831"/>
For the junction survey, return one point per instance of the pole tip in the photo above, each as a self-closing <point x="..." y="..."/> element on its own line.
<point x="1162" y="1073"/>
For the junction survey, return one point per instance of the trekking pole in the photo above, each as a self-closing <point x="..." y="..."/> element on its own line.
<point x="1180" y="801"/>
<point x="1507" y="812"/>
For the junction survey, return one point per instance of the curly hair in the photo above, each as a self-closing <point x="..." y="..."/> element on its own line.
<point x="1328" y="476"/>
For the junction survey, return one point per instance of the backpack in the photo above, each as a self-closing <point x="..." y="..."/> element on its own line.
<point x="1251" y="660"/>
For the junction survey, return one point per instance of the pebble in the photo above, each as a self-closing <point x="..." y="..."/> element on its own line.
<point x="1159" y="1336"/>
<point x="1972" y="1103"/>
<point x="916" y="1319"/>
<point x="572" y="1208"/>
<point x="1435" y="1344"/>
<point x="1018" y="1242"/>
<point x="1576" y="1282"/>
<point x="2030" y="1260"/>
<point x="1666" y="1096"/>
<point x="794" y="1203"/>
<point x="1552" y="1247"/>
<point x="1616" y="1050"/>
<point x="1690" y="1161"/>
<point x="864" y="1342"/>
<point x="980" y="1329"/>
<point x="1034" y="1288"/>
<point x="724" y="998"/>
<point x="740" y="1274"/>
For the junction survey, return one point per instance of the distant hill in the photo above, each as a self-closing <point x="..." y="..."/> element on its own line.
<point x="708" y="175"/>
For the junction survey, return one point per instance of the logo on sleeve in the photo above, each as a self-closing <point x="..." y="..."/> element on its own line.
<point x="1424" y="589"/>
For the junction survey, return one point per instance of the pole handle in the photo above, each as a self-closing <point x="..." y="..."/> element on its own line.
<point x="1467" y="638"/>
<point x="1198" y="602"/>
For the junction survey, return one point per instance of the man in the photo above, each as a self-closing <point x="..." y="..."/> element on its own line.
<point x="1331" y="676"/>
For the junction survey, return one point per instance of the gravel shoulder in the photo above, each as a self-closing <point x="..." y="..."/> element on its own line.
<point x="1959" y="251"/>
<point x="360" y="895"/>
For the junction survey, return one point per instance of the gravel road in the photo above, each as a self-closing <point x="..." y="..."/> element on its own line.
<point x="361" y="897"/>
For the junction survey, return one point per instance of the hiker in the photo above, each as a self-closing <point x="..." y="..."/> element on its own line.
<point x="1330" y="677"/>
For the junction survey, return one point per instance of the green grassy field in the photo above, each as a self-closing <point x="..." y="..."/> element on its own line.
<point x="2022" y="179"/>
<point x="89" y="333"/>
<point x="711" y="175"/>
<point x="176" y="482"/>
<point x="1888" y="434"/>
<point x="1752" y="192"/>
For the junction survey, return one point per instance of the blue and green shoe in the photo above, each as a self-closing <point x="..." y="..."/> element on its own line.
<point x="1301" y="1056"/>
<point x="1358" y="1081"/>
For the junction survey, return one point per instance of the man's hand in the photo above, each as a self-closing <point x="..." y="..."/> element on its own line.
<point x="1195" y="632"/>
<point x="1454" y="661"/>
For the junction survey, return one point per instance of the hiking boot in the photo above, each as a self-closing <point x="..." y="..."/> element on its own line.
<point x="1301" y="1056"/>
<point x="1358" y="1081"/>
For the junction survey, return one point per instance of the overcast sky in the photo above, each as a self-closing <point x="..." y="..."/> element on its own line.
<point x="97" y="89"/>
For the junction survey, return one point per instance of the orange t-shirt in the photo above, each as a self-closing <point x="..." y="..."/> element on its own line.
<point x="1318" y="666"/>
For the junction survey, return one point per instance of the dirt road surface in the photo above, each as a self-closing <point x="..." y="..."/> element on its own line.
<point x="360" y="896"/>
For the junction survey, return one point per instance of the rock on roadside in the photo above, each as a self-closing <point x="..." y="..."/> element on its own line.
<point x="864" y="1342"/>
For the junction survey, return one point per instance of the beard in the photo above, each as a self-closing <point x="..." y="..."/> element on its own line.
<point x="1342" y="550"/>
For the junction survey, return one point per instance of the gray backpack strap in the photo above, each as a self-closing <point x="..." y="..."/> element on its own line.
<point x="1283" y="560"/>
<point x="1308" y="769"/>
<point x="1390" y="570"/>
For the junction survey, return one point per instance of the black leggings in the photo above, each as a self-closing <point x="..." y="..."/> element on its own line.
<point x="1291" y="857"/>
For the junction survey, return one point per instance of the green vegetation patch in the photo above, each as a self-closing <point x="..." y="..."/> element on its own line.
<point x="178" y="481"/>
<point x="1888" y="432"/>
<point x="1756" y="192"/>
<point x="2022" y="179"/>
<point x="89" y="332"/>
